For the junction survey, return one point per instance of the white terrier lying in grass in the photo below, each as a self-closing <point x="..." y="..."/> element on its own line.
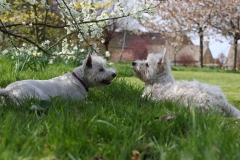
<point x="160" y="85"/>
<point x="92" y="73"/>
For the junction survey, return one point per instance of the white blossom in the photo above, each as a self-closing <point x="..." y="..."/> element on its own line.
<point x="5" y="51"/>
<point x="102" y="40"/>
<point x="4" y="6"/>
<point x="50" y="61"/>
<point x="88" y="21"/>
<point x="107" y="54"/>
<point x="75" y="48"/>
<point x="47" y="42"/>
<point x="32" y="2"/>
<point x="43" y="2"/>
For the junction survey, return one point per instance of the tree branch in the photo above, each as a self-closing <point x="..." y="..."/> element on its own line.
<point x="4" y="28"/>
<point x="59" y="40"/>
<point x="22" y="37"/>
<point x="30" y="23"/>
<point x="76" y="26"/>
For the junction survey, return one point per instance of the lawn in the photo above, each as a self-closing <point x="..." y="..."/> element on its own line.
<point x="113" y="121"/>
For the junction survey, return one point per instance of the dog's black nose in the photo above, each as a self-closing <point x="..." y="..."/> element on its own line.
<point x="114" y="75"/>
<point x="134" y="63"/>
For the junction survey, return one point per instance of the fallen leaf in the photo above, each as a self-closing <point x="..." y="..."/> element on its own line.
<point x="98" y="157"/>
<point x="135" y="155"/>
<point x="169" y="116"/>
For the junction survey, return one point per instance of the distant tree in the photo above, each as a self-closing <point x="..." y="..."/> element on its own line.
<point x="238" y="58"/>
<point x="176" y="18"/>
<point x="186" y="59"/>
<point x="221" y="60"/>
<point x="109" y="30"/>
<point x="226" y="19"/>
<point x="31" y="22"/>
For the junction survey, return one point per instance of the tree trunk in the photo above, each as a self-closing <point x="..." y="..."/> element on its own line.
<point x="201" y="46"/>
<point x="235" y="51"/>
<point x="106" y="44"/>
<point x="43" y="38"/>
<point x="36" y="21"/>
<point x="175" y="59"/>
<point x="123" y="45"/>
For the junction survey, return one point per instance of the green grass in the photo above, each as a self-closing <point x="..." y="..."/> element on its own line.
<point x="114" y="120"/>
<point x="227" y="81"/>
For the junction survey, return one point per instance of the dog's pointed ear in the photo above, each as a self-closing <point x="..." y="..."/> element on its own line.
<point x="164" y="52"/>
<point x="161" y="60"/>
<point x="89" y="61"/>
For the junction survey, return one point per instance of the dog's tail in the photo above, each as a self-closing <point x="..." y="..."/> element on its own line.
<point x="232" y="110"/>
<point x="3" y="92"/>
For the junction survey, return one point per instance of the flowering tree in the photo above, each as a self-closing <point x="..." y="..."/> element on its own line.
<point x="83" y="19"/>
<point x="109" y="31"/>
<point x="176" y="18"/>
<point x="226" y="19"/>
<point x="221" y="60"/>
<point x="32" y="22"/>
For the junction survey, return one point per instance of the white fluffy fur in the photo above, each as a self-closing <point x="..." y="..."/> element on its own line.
<point x="93" y="72"/>
<point x="160" y="85"/>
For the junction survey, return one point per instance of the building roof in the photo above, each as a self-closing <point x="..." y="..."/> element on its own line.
<point x="155" y="44"/>
<point x="230" y="56"/>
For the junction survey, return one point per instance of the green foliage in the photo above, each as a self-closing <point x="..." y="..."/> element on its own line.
<point x="25" y="61"/>
<point x="29" y="57"/>
<point x="24" y="14"/>
<point x="26" y="58"/>
<point x="205" y="69"/>
<point x="123" y="69"/>
<point x="112" y="122"/>
<point x="69" y="54"/>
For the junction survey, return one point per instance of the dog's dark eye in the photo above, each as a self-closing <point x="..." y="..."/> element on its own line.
<point x="147" y="65"/>
<point x="101" y="69"/>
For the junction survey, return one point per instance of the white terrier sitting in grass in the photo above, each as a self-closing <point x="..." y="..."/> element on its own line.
<point x="160" y="85"/>
<point x="73" y="85"/>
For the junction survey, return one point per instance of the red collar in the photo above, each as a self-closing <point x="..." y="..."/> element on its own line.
<point x="74" y="75"/>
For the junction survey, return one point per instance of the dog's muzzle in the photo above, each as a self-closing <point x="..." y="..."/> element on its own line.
<point x="134" y="64"/>
<point x="107" y="81"/>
